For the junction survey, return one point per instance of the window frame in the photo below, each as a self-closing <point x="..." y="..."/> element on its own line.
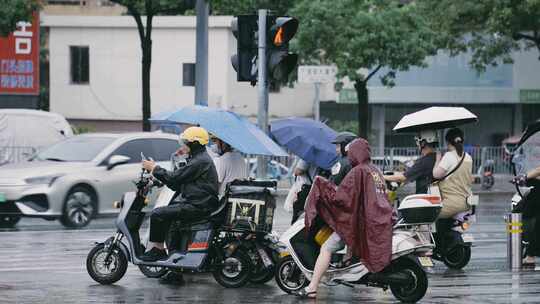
<point x="72" y="79"/>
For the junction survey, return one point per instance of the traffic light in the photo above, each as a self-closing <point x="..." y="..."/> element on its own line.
<point x="280" y="62"/>
<point x="244" y="62"/>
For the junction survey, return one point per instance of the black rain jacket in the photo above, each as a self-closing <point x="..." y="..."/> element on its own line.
<point x="196" y="183"/>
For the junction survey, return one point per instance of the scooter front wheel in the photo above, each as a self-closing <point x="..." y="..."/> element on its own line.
<point x="106" y="268"/>
<point x="289" y="276"/>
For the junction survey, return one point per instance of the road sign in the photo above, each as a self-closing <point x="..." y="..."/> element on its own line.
<point x="316" y="73"/>
<point x="19" y="59"/>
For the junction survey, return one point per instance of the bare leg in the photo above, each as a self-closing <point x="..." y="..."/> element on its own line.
<point x="323" y="261"/>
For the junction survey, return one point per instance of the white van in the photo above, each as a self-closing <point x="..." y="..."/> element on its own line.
<point x="23" y="131"/>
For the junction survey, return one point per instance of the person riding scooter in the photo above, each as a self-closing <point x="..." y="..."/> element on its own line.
<point x="531" y="214"/>
<point x="421" y="171"/>
<point x="343" y="165"/>
<point x="357" y="211"/>
<point x="454" y="171"/>
<point x="195" y="186"/>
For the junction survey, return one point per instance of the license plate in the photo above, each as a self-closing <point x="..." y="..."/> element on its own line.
<point x="2" y="197"/>
<point x="468" y="238"/>
<point x="265" y="258"/>
<point x="425" y="261"/>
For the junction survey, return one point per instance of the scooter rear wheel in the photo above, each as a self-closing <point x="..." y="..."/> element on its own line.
<point x="289" y="277"/>
<point x="106" y="272"/>
<point x="234" y="271"/>
<point x="416" y="289"/>
<point x="457" y="257"/>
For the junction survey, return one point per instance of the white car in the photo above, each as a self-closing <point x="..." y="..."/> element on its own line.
<point x="80" y="177"/>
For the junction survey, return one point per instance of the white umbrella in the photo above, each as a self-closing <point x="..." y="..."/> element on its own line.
<point x="434" y="118"/>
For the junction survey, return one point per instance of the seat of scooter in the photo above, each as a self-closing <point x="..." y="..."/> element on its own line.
<point x="207" y="222"/>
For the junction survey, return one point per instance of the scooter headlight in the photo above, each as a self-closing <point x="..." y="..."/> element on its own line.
<point x="465" y="226"/>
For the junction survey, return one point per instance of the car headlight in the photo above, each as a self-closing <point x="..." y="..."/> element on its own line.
<point x="42" y="180"/>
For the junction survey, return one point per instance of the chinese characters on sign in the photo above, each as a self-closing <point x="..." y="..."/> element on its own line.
<point x="316" y="73"/>
<point x="19" y="59"/>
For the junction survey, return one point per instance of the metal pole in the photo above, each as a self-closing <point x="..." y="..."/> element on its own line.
<point x="201" y="57"/>
<point x="317" y="101"/>
<point x="514" y="227"/>
<point x="262" y="115"/>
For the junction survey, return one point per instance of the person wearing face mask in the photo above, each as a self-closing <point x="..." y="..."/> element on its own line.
<point x="195" y="186"/>
<point x="422" y="170"/>
<point x="230" y="164"/>
<point x="343" y="165"/>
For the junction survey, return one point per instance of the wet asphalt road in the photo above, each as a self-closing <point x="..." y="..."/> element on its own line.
<point x="41" y="262"/>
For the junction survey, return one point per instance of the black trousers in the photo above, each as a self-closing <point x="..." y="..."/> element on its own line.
<point x="162" y="217"/>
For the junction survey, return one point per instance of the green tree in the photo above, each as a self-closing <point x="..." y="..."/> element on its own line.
<point x="13" y="11"/>
<point x="359" y="36"/>
<point x="150" y="8"/>
<point x="245" y="7"/>
<point x="490" y="29"/>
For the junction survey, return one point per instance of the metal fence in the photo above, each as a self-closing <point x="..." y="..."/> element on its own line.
<point x="400" y="158"/>
<point x="386" y="159"/>
<point x="15" y="154"/>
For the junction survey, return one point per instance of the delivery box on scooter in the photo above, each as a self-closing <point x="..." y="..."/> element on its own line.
<point x="420" y="208"/>
<point x="250" y="205"/>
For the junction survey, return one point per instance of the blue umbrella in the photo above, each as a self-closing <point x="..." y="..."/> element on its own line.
<point x="230" y="127"/>
<point x="309" y="139"/>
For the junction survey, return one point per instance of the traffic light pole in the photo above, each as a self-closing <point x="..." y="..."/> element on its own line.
<point x="201" y="56"/>
<point x="262" y="115"/>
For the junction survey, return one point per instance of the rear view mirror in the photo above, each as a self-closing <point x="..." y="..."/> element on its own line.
<point x="116" y="160"/>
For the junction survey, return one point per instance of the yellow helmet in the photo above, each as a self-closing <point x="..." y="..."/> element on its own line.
<point x="193" y="134"/>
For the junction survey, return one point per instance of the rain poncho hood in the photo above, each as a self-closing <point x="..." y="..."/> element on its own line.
<point x="358" y="210"/>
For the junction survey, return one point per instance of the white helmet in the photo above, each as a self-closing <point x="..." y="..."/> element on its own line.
<point x="426" y="137"/>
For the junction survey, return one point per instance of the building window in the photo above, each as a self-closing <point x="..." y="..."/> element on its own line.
<point x="80" y="69"/>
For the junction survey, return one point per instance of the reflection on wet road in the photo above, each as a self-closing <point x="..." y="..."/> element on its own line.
<point x="41" y="262"/>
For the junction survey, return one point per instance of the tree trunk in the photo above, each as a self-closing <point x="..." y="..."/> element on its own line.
<point x="146" y="64"/>
<point x="363" y="109"/>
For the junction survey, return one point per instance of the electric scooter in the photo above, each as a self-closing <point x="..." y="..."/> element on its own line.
<point x="204" y="245"/>
<point x="405" y="276"/>
<point x="457" y="242"/>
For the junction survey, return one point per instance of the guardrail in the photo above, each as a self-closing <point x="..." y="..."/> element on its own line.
<point x="399" y="158"/>
<point x="15" y="154"/>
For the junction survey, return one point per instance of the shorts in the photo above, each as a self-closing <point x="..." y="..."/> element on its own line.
<point x="334" y="243"/>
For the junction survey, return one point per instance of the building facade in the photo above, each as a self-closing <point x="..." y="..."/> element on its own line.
<point x="95" y="71"/>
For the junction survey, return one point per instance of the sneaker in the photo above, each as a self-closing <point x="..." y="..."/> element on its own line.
<point x="153" y="255"/>
<point x="172" y="278"/>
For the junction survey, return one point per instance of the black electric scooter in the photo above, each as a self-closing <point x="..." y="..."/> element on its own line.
<point x="204" y="245"/>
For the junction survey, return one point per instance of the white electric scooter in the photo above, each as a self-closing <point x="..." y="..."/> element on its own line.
<point x="405" y="276"/>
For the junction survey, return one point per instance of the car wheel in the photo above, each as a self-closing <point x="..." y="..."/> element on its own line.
<point x="10" y="218"/>
<point x="80" y="207"/>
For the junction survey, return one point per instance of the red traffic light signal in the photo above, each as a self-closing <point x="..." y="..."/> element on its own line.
<point x="283" y="30"/>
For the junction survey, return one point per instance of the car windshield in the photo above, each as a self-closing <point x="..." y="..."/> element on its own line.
<point x="75" y="149"/>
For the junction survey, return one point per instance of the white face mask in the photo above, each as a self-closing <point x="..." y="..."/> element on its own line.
<point x="178" y="160"/>
<point x="215" y="149"/>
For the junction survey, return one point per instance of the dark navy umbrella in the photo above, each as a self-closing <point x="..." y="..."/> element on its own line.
<point x="309" y="139"/>
<point x="230" y="127"/>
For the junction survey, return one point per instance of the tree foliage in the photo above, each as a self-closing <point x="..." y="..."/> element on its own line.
<point x="13" y="11"/>
<point x="360" y="37"/>
<point x="244" y="7"/>
<point x="490" y="29"/>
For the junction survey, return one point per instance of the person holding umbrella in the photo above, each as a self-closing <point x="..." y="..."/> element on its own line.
<point x="230" y="164"/>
